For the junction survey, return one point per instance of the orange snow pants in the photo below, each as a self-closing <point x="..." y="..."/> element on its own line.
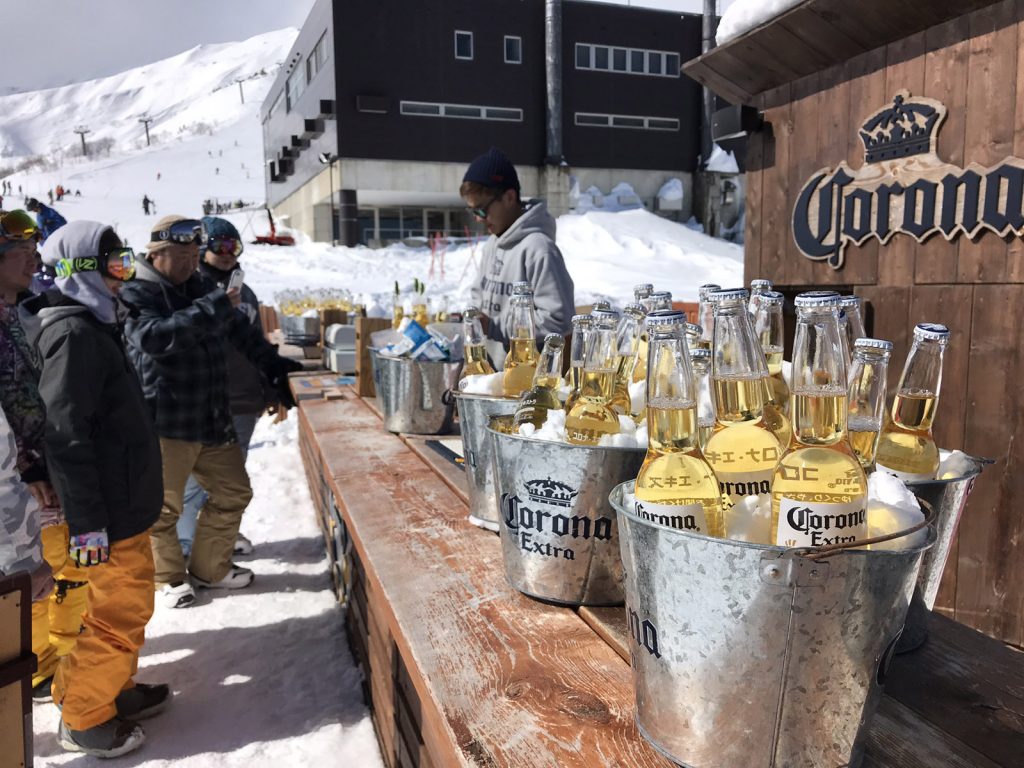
<point x="106" y="656"/>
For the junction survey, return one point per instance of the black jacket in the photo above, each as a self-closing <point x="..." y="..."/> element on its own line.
<point x="101" y="448"/>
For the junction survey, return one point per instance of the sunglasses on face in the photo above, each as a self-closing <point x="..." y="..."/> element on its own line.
<point x="481" y="213"/>
<point x="224" y="246"/>
<point x="184" y="231"/>
<point x="17" y="225"/>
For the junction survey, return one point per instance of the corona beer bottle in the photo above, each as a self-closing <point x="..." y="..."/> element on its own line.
<point x="819" y="491"/>
<point x="852" y="322"/>
<point x="474" y="345"/>
<point x="543" y="395"/>
<point x="700" y="358"/>
<point x="757" y="287"/>
<point x="628" y="342"/>
<point x="867" y="397"/>
<point x="905" y="447"/>
<point x="521" y="360"/>
<point x="676" y="485"/>
<point x="592" y="415"/>
<point x="769" y="328"/>
<point x="742" y="451"/>
<point x="581" y="327"/>
<point x="397" y="308"/>
<point x="706" y="313"/>
<point x="694" y="333"/>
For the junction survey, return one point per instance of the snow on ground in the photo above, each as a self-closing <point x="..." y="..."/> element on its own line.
<point x="743" y="15"/>
<point x="262" y="676"/>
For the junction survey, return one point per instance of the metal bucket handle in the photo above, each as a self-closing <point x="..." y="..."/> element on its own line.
<point x="448" y="397"/>
<point x="816" y="553"/>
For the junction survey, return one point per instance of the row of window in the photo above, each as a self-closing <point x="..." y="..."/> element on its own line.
<point x="303" y="76"/>
<point x="464" y="47"/>
<point x="508" y="114"/>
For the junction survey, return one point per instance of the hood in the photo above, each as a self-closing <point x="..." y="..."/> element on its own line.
<point x="76" y="240"/>
<point x="535" y="219"/>
<point x="38" y="312"/>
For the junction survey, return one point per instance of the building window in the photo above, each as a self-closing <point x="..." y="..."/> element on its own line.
<point x="513" y="50"/>
<point x="316" y="60"/>
<point x="276" y="105"/>
<point x="460" y="111"/>
<point x="636" y="122"/>
<point x="463" y="45"/>
<point x="632" y="61"/>
<point x="295" y="86"/>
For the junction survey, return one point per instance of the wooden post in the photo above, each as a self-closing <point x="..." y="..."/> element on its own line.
<point x="364" y="367"/>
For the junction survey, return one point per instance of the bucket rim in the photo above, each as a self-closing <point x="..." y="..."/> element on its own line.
<point x="979" y="464"/>
<point x="410" y="361"/>
<point x="618" y="491"/>
<point x="477" y="396"/>
<point x="558" y="444"/>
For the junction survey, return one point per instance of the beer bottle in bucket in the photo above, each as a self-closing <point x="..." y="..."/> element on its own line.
<point x="852" y="321"/>
<point x="581" y="326"/>
<point x="905" y="447"/>
<point x="757" y="288"/>
<point x="543" y="395"/>
<point x="676" y="485"/>
<point x="769" y="328"/>
<point x="700" y="359"/>
<point x="867" y="397"/>
<point x="521" y="361"/>
<point x="474" y="345"/>
<point x="819" y="491"/>
<point x="706" y="313"/>
<point x="693" y="335"/>
<point x="628" y="342"/>
<point x="743" y="451"/>
<point x="592" y="415"/>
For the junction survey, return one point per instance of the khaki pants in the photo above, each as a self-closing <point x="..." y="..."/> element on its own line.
<point x="220" y="470"/>
<point x="57" y="620"/>
<point x="106" y="656"/>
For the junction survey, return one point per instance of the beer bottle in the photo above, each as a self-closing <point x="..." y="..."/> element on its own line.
<point x="706" y="312"/>
<point x="592" y="415"/>
<point x="543" y="395"/>
<point x="757" y="288"/>
<point x="742" y="450"/>
<point x="521" y="360"/>
<point x="397" y="308"/>
<point x="628" y="343"/>
<point x="867" y="397"/>
<point x="474" y="345"/>
<point x="819" y="491"/>
<point x="700" y="358"/>
<point x="852" y="322"/>
<point x="769" y="328"/>
<point x="581" y="327"/>
<point x="676" y="485"/>
<point x="905" y="447"/>
<point x="694" y="333"/>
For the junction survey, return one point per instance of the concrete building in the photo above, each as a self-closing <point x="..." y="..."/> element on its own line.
<point x="384" y="103"/>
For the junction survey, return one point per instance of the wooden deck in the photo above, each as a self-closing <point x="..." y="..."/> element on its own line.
<point x="462" y="670"/>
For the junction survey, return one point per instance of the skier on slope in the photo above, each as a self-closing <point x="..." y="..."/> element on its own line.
<point x="47" y="219"/>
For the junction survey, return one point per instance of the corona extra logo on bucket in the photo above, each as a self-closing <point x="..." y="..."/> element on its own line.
<point x="547" y="526"/>
<point x="904" y="188"/>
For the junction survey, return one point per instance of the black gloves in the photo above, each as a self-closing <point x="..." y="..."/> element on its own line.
<point x="277" y="374"/>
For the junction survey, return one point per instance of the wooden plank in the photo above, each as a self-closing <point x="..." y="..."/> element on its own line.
<point x="946" y="80"/>
<point x="564" y="697"/>
<point x="374" y="405"/>
<point x="804" y="160"/>
<point x="969" y="686"/>
<point x="1015" y="249"/>
<point x="610" y="625"/>
<point x="890" y="312"/>
<point x="989" y="137"/>
<point x="990" y="575"/>
<point x="831" y="42"/>
<point x="453" y="476"/>
<point x="776" y="210"/>
<point x="365" y="327"/>
<point x="905" y="59"/>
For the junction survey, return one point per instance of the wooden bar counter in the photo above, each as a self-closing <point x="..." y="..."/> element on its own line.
<point x="462" y="670"/>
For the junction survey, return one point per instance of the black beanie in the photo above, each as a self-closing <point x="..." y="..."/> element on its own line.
<point x="492" y="169"/>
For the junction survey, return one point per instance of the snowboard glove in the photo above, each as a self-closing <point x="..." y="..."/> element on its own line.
<point x="277" y="373"/>
<point x="90" y="548"/>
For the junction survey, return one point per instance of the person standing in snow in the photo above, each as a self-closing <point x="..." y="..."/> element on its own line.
<point x="104" y="462"/>
<point x="249" y="390"/>
<point x="55" y="622"/>
<point x="145" y="204"/>
<point x="521" y="248"/>
<point x="47" y="219"/>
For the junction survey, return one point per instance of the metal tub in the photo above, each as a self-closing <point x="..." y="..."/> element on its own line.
<point x="559" y="534"/>
<point x="754" y="656"/>
<point x="300" y="331"/>
<point x="475" y="411"/>
<point x="411" y="394"/>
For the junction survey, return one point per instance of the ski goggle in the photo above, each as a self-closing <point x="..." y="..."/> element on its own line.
<point x="118" y="264"/>
<point x="224" y="246"/>
<point x="17" y="225"/>
<point x="184" y="231"/>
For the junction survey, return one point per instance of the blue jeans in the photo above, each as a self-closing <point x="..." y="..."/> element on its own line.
<point x="195" y="496"/>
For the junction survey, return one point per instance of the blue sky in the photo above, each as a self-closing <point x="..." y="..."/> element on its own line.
<point x="54" y="42"/>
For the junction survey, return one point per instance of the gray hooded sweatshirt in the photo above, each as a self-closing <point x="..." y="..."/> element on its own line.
<point x="525" y="252"/>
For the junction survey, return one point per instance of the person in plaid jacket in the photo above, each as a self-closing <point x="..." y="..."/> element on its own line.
<point x="177" y="332"/>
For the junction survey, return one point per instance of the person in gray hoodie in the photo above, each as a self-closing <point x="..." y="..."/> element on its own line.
<point x="521" y="248"/>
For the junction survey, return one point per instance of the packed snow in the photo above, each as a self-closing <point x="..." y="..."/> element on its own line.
<point x="743" y="15"/>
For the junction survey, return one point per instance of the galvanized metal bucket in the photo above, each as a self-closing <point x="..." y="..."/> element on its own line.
<point x="948" y="498"/>
<point x="300" y="331"/>
<point x="559" y="534"/>
<point x="411" y="394"/>
<point x="475" y="411"/>
<point x="751" y="656"/>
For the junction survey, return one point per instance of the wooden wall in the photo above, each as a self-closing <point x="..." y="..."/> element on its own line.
<point x="975" y="65"/>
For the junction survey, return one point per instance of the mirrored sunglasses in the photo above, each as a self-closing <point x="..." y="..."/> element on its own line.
<point x="481" y="213"/>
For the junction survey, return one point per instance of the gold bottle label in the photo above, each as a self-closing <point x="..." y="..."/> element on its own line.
<point x="820" y="523"/>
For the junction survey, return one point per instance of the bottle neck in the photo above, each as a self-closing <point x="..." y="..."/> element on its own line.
<point x="736" y="351"/>
<point x="923" y="371"/>
<point x="669" y="374"/>
<point x="523" y="323"/>
<point x="819" y="379"/>
<point x="867" y="390"/>
<point x="549" y="367"/>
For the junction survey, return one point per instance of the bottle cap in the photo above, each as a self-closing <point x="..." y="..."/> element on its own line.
<point x="815" y="299"/>
<point x="760" y="284"/>
<point x="692" y="329"/>
<point x="605" y="316"/>
<point x="582" y="320"/>
<point x="931" y="332"/>
<point x="554" y="339"/>
<point x="521" y="288"/>
<point x="729" y="294"/>
<point x="771" y="297"/>
<point x="661" y="317"/>
<point x="873" y="344"/>
<point x="643" y="289"/>
<point x="660" y="295"/>
<point x="700" y="353"/>
<point x="602" y="304"/>
<point x="471" y="311"/>
<point x="707" y="289"/>
<point x="850" y="301"/>
<point x="633" y="306"/>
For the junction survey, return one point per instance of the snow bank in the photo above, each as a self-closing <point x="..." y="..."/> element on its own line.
<point x="743" y="15"/>
<point x="722" y="161"/>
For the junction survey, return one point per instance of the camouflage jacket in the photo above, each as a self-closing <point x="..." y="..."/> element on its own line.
<point x="19" y="395"/>
<point x="20" y="545"/>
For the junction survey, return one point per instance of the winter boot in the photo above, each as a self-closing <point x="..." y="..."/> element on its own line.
<point x="177" y="595"/>
<point x="115" y="737"/>
<point x="242" y="546"/>
<point x="237" y="578"/>
<point x="41" y="691"/>
<point x="143" y="701"/>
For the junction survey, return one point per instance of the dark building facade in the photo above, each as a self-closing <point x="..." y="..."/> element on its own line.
<point x="407" y="93"/>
